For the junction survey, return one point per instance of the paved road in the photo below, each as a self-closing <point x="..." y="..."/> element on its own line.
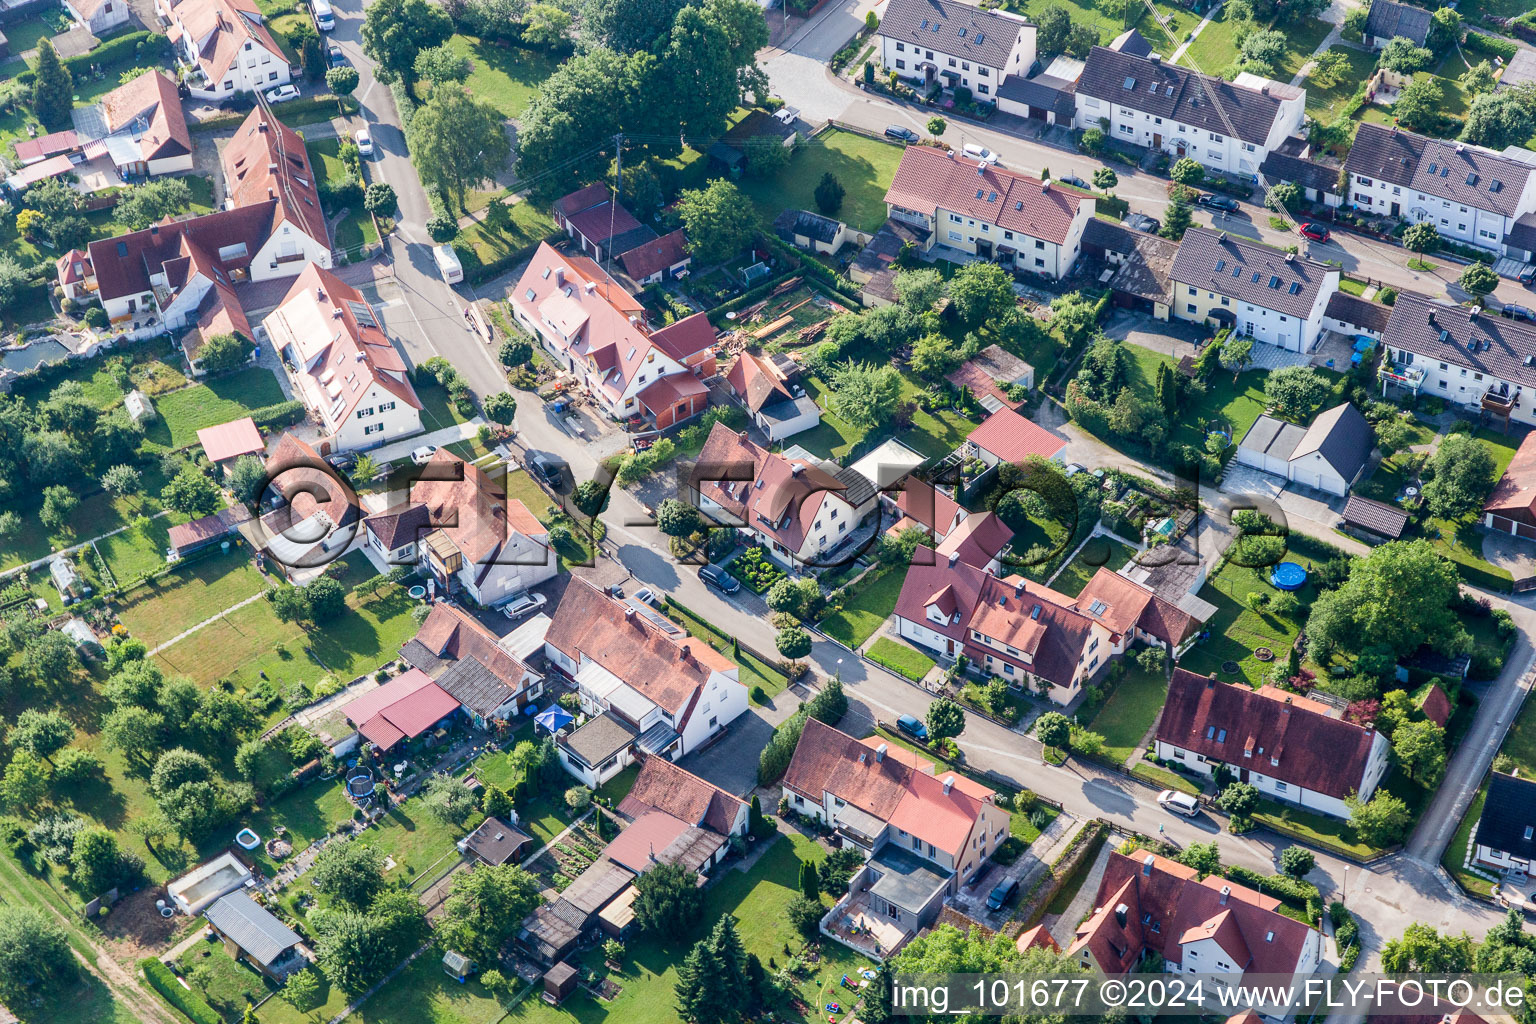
<point x="797" y="73"/>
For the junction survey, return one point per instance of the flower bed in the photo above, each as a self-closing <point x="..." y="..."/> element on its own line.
<point x="756" y="571"/>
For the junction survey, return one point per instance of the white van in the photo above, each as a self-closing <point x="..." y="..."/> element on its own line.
<point x="448" y="263"/>
<point x="325" y="19"/>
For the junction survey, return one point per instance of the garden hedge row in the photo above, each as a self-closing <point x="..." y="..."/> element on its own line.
<point x="325" y="104"/>
<point x="1479" y="43"/>
<point x="283" y="414"/>
<point x="119" y="50"/>
<point x="190" y="1003"/>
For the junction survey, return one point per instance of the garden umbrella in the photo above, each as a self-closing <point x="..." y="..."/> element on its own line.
<point x="554" y="718"/>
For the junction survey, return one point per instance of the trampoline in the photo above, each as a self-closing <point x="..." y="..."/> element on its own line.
<point x="1226" y="438"/>
<point x="359" y="786"/>
<point x="1288" y="576"/>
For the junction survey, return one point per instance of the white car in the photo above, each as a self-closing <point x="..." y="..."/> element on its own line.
<point x="520" y="606"/>
<point x="364" y="141"/>
<point x="423" y="455"/>
<point x="283" y="94"/>
<point x="982" y="153"/>
<point x="647" y="595"/>
<point x="1179" y="803"/>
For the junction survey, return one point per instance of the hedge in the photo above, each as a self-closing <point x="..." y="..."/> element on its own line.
<point x="405" y="105"/>
<point x="1480" y="577"/>
<point x="119" y="50"/>
<point x="283" y="414"/>
<point x="190" y="1003"/>
<point x="1479" y="43"/>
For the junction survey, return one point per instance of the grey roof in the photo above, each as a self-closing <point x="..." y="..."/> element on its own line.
<point x="1342" y="437"/>
<point x="495" y="841"/>
<point x="251" y="927"/>
<point x="469" y="682"/>
<point x="782" y="412"/>
<point x="1274" y="437"/>
<point x="1522" y="235"/>
<point x="1306" y="173"/>
<point x="803" y="222"/>
<point x="1000" y="364"/>
<point x="1376" y="516"/>
<point x="856" y="489"/>
<point x="1358" y="312"/>
<point x="1144" y="273"/>
<point x="1132" y="42"/>
<point x="555" y="925"/>
<point x="1445" y="170"/>
<point x="1183" y="95"/>
<point x="1520" y="69"/>
<point x="1390" y="19"/>
<point x="906" y="879"/>
<point x="597" y="886"/>
<point x="1418" y="324"/>
<point x="956" y="29"/>
<point x="1046" y="91"/>
<point x="1249" y="271"/>
<point x="1509" y="816"/>
<point x="457" y="962"/>
<point x="600" y="739"/>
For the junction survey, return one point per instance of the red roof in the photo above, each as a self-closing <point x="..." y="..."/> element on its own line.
<point x="1514" y="496"/>
<point x="663" y="786"/>
<point x="1012" y="438"/>
<point x="403" y="708"/>
<point x="29" y="151"/>
<point x="1123" y="604"/>
<point x="979" y="539"/>
<point x="754" y="380"/>
<point x="928" y="507"/>
<point x="929" y="179"/>
<point x="153" y="97"/>
<point x="1036" y="936"/>
<point x="266" y="160"/>
<point x="230" y="440"/>
<point x="782" y="497"/>
<point x="656" y="255"/>
<point x="1436" y="705"/>
<point x="665" y="392"/>
<point x="648" y="835"/>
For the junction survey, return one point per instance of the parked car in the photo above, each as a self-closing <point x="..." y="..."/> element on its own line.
<point x="901" y="134"/>
<point x="1075" y="182"/>
<point x="982" y="153"/>
<point x="334" y="55"/>
<point x="910" y="725"/>
<point x="1141" y="222"/>
<point x="423" y="455"/>
<point x="1002" y="893"/>
<point x="648" y="595"/>
<point x="364" y="141"/>
<point x="283" y="93"/>
<point x="1178" y="803"/>
<point x="1514" y="312"/>
<point x="342" y="460"/>
<point x="551" y="470"/>
<point x="522" y="605"/>
<point x="1316" y="232"/>
<point x="715" y="576"/>
<point x="1216" y="202"/>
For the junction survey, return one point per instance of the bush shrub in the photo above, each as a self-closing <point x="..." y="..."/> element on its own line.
<point x="283" y="414"/>
<point x="190" y="1003"/>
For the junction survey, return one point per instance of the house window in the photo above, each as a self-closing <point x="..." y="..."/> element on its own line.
<point x="272" y="76"/>
<point x="901" y="65"/>
<point x="1279" y="786"/>
<point x="951" y="62"/>
<point x="363" y="414"/>
<point x="964" y="65"/>
<point x="1039" y="244"/>
<point x="373" y="429"/>
<point x="901" y="47"/>
<point x="984" y="73"/>
<point x="954" y="236"/>
<point x="1190" y="308"/>
<point x="1039" y="262"/>
<point x="982" y="88"/>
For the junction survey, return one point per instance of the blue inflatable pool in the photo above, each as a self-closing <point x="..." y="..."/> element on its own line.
<point x="1288" y="576"/>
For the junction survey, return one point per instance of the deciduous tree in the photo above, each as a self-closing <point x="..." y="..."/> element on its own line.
<point x="719" y="220"/>
<point x="394" y="31"/>
<point x="458" y="142"/>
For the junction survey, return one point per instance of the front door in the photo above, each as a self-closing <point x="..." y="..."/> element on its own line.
<point x="1157" y="141"/>
<point x="949" y="647"/>
<point x="1397" y="210"/>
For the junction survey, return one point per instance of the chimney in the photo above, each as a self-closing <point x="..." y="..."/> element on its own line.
<point x="1146" y="865"/>
<point x="880" y="752"/>
<point x="1472" y="313"/>
<point x="1226" y="891"/>
<point x="949" y="783"/>
<point x="1122" y="912"/>
<point x="261" y="126"/>
<point x="1210" y="681"/>
<point x="1264" y="90"/>
<point x="271" y="194"/>
<point x="629" y="613"/>
<point x="559" y="276"/>
<point x="634" y="321"/>
<point x="1045" y="186"/>
<point x="592" y="287"/>
<point x="1431" y="316"/>
<point x="1018" y="589"/>
<point x="271" y="168"/>
<point x="954" y="556"/>
<point x="1156" y="58"/>
<point x="1290" y="257"/>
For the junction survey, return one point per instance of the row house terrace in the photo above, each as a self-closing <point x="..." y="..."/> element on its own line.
<point x="948" y="44"/>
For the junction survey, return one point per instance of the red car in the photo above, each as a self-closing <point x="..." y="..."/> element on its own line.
<point x="1316" y="232"/>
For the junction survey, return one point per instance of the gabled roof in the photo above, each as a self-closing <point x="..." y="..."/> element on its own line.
<point x="1164" y="90"/>
<point x="1012" y="438"/>
<point x="251" y="927"/>
<point x="929" y="179"/>
<point x="814" y="226"/>
<point x="656" y="255"/>
<point x="1445" y="333"/>
<point x="449" y="635"/>
<point x="594" y="214"/>
<point x="933" y="580"/>
<point x="957" y="29"/>
<point x="232" y="439"/>
<point x="978" y="540"/>
<point x="1284" y="741"/>
<point x="1390" y="19"/>
<point x="927" y="506"/>
<point x="1342" y="437"/>
<point x="982" y="371"/>
<point x="1122" y="604"/>
<point x="266" y="160"/>
<point x="1447" y="170"/>
<point x="1357" y="312"/>
<point x="1509" y="816"/>
<point x="1516" y="489"/>
<point x="663" y="786"/>
<point x="403" y="708"/>
<point x="219" y="29"/>
<point x="1379" y="517"/>
<point x="1306" y="173"/>
<point x="124" y="264"/>
<point x="496" y="842"/>
<point x="1033" y="619"/>
<point x="756" y="381"/>
<point x="149" y="108"/>
<point x="781" y="497"/>
<point x="1250" y="271"/>
<point x="477" y="688"/>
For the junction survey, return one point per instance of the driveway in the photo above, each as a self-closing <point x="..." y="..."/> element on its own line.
<point x="1176" y="338"/>
<point x="731" y="763"/>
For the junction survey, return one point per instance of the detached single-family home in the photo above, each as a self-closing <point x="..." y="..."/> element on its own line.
<point x="316" y="515"/>
<point x="797" y="509"/>
<point x="227" y="44"/>
<point x="1020" y="222"/>
<point x="1268" y="295"/>
<point x="252" y="933"/>
<point x="1226" y="126"/>
<point x="492" y="684"/>
<point x="343" y="366"/>
<point x="1005" y="436"/>
<point x="1147" y="904"/>
<point x="459" y="525"/>
<point x="989" y="373"/>
<point x="1511" y="508"/>
<point x="778" y="408"/>
<point x="1470" y="194"/>
<point x="1390" y="19"/>
<point x="1289" y="750"/>
<point x="140" y="125"/>
<point x="591" y="326"/>
<point x="924" y="834"/>
<point x="648" y="691"/>
<point x="1506" y="833"/>
<point x="100" y="16"/>
<point x="1329" y="455"/>
<point x="663" y="786"/>
<point x="1462" y="354"/>
<point x="405" y="708"/>
<point x="1019" y="631"/>
<point x="952" y="45"/>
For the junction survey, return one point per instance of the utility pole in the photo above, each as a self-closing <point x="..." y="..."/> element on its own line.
<point x="618" y="189"/>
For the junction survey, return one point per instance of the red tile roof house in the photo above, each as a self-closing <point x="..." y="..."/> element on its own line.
<point x="1022" y="632"/>
<point x="142" y="126"/>
<point x="920" y="505"/>
<point x="159" y="278"/>
<point x="343" y="366"/>
<point x="1134" y="613"/>
<point x="600" y="226"/>
<point x="1005" y="436"/>
<point x="799" y="511"/>
<point x="467" y="660"/>
<point x="657" y="260"/>
<point x="316" y="514"/>
<point x="1011" y="218"/>
<point x="670" y="696"/>
<point x="594" y="328"/>
<point x="100" y="16"/>
<point x="979" y="540"/>
<point x="1149" y="904"/>
<point x="402" y="709"/>
<point x="925" y="835"/>
<point x="778" y="409"/>
<point x="1287" y="750"/>
<point x="76" y="275"/>
<point x="228" y="43"/>
<point x="460" y="526"/>
<point x="1511" y="508"/>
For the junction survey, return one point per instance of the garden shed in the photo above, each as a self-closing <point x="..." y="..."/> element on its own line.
<point x="559" y="982"/>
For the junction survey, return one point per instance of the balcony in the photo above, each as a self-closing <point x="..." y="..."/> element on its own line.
<point x="1499" y="401"/>
<point x="1406" y="376"/>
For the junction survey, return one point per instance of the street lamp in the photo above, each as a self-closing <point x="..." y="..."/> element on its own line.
<point x="838" y="675"/>
<point x="1344" y="893"/>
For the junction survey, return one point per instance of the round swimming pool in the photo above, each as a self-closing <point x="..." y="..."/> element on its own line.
<point x="1288" y="576"/>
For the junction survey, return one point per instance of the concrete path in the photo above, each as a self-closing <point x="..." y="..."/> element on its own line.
<point x="209" y="621"/>
<point x="446" y="436"/>
<point x="1065" y="928"/>
<point x="1184" y="47"/>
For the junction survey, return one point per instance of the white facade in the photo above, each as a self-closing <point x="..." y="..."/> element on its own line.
<point x="1452" y="218"/>
<point x="907" y="60"/>
<point x="833" y="521"/>
<point x="101" y="18"/>
<point x="1278" y="789"/>
<point x="286" y="252"/>
<point x="1461" y="384"/>
<point x="524" y="562"/>
<point x="255" y="67"/>
<point x="379" y="417"/>
<point x="1285" y="330"/>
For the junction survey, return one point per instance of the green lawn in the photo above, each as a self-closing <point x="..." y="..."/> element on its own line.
<point x="617" y="788"/>
<point x="509" y="78"/>
<point x="160" y="609"/>
<point x="1520" y="743"/>
<point x="523" y="226"/>
<point x="1228" y="404"/>
<point x="1454" y="105"/>
<point x="754" y="673"/>
<point x="865" y="609"/>
<point x="1319" y="829"/>
<point x="865" y="167"/>
<point x="934" y="434"/>
<point x="355" y="230"/>
<point x="1098" y="552"/>
<point x="1327" y="104"/>
<point x="183" y="413"/>
<point x="1165" y="33"/>
<point x="415" y="840"/>
<point x="1164" y="778"/>
<point x="1130" y="711"/>
<point x="1455" y="856"/>
<point x="1237" y="630"/>
<point x="1216" y="47"/>
<point x="900" y="658"/>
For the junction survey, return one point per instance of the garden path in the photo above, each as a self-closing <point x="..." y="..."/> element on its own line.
<point x="209" y="621"/>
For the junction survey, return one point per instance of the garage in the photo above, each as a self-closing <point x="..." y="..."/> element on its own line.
<point x="1268" y="445"/>
<point x="1327" y="456"/>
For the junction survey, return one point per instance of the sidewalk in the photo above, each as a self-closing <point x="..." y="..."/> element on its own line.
<point x="447" y="435"/>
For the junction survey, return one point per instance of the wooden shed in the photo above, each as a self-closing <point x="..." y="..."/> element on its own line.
<point x="559" y="982"/>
